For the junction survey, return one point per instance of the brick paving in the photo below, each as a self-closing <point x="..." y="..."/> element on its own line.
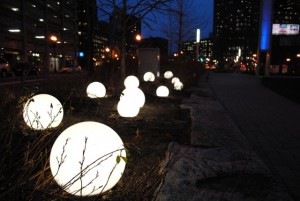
<point x="269" y="121"/>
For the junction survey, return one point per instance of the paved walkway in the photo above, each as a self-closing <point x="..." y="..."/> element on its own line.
<point x="269" y="121"/>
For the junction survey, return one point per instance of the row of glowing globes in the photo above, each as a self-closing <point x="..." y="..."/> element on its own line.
<point x="88" y="158"/>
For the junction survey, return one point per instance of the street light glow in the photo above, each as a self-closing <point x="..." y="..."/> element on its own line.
<point x="138" y="37"/>
<point x="53" y="38"/>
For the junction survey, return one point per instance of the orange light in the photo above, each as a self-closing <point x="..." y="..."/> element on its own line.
<point x="53" y="38"/>
<point x="138" y="37"/>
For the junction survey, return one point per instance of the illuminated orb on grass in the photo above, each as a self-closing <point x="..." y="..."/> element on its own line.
<point x="175" y="79"/>
<point x="168" y="75"/>
<point x="149" y="76"/>
<point x="96" y="90"/>
<point x="131" y="81"/>
<point x="84" y="159"/>
<point x="136" y="96"/>
<point x="162" y="91"/>
<point x="43" y="111"/>
<point x="178" y="85"/>
<point x="127" y="108"/>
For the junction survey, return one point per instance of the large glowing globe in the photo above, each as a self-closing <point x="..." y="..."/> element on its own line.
<point x="168" y="75"/>
<point x="135" y="96"/>
<point x="43" y="111"/>
<point x="96" y="90"/>
<point x="86" y="159"/>
<point x="131" y="81"/>
<point x="149" y="77"/>
<point x="127" y="108"/>
<point x="162" y="91"/>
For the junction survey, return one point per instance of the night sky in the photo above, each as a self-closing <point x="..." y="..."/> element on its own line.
<point x="202" y="10"/>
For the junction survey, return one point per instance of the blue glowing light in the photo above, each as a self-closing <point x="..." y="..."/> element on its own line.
<point x="266" y="25"/>
<point x="81" y="54"/>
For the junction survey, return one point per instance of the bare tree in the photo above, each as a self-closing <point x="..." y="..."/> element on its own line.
<point x="143" y="9"/>
<point x="182" y="22"/>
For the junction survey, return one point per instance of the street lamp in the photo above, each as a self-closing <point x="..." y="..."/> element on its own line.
<point x="138" y="37"/>
<point x="53" y="38"/>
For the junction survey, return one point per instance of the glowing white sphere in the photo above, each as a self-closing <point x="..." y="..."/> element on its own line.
<point x="175" y="79"/>
<point x="135" y="96"/>
<point x="168" y="75"/>
<point x="162" y="91"/>
<point x="127" y="108"/>
<point x="178" y="85"/>
<point x="149" y="76"/>
<point x="131" y="81"/>
<point x="43" y="111"/>
<point x="96" y="90"/>
<point x="83" y="158"/>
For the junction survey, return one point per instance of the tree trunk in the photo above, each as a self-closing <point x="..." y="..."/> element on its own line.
<point x="123" y="48"/>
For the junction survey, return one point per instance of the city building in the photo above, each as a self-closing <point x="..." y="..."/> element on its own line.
<point x="133" y="29"/>
<point x="236" y="32"/>
<point x="43" y="32"/>
<point x="189" y="49"/>
<point x="88" y="37"/>
<point x="205" y="48"/>
<point x="285" y="57"/>
<point x="236" y="25"/>
<point x="101" y="42"/>
<point x="156" y="42"/>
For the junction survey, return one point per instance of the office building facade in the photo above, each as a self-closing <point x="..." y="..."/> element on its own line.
<point x="236" y="25"/>
<point x="43" y="32"/>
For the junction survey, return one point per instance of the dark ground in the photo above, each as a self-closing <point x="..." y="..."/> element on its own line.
<point x="24" y="166"/>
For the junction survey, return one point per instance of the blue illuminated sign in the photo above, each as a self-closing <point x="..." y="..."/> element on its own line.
<point x="266" y="24"/>
<point x="81" y="54"/>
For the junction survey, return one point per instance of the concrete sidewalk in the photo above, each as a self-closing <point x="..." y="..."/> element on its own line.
<point x="270" y="122"/>
<point x="219" y="164"/>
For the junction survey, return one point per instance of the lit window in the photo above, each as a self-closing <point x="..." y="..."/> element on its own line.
<point x="14" y="30"/>
<point x="39" y="37"/>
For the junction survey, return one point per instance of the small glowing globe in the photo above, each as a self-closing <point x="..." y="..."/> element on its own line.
<point x="162" y="91"/>
<point x="127" y="108"/>
<point x="178" y="85"/>
<point x="96" y="90"/>
<point x="83" y="159"/>
<point x="131" y="81"/>
<point x="43" y="111"/>
<point x="135" y="95"/>
<point x="149" y="76"/>
<point x="175" y="79"/>
<point x="168" y="75"/>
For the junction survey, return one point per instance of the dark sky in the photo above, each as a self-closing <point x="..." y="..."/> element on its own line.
<point x="202" y="10"/>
